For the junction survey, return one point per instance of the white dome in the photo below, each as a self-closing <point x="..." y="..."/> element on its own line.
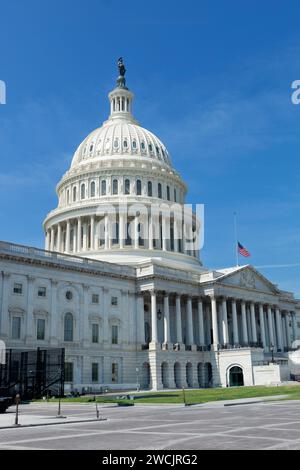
<point x="121" y="138"/>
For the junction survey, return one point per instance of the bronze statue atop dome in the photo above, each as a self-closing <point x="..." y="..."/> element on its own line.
<point x="121" y="66"/>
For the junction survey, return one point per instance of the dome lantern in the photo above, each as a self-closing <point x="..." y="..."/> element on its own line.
<point x="121" y="98"/>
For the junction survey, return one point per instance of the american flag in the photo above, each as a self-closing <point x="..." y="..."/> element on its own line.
<point x="243" y="250"/>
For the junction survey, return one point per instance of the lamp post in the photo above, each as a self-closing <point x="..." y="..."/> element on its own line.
<point x="17" y="401"/>
<point x="272" y="351"/>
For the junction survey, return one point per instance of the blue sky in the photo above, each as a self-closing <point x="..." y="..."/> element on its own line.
<point x="212" y="79"/>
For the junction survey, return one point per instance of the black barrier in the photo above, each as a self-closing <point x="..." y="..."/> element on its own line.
<point x="33" y="373"/>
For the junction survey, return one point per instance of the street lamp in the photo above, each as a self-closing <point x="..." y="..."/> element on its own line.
<point x="272" y="351"/>
<point x="137" y="370"/>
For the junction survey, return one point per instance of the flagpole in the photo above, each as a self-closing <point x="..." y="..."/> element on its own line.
<point x="236" y="238"/>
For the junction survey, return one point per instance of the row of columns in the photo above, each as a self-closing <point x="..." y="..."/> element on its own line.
<point x="269" y="319"/>
<point x="91" y="234"/>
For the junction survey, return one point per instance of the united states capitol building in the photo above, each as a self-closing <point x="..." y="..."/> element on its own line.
<point x="120" y="284"/>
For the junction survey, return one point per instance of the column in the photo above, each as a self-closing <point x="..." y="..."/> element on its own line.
<point x="201" y="323"/>
<point x="154" y="337"/>
<point x="287" y="327"/>
<point x="58" y="238"/>
<point x="225" y="322"/>
<point x="270" y="326"/>
<point x="167" y="335"/>
<point x="279" y="329"/>
<point x="235" y="323"/>
<point x="4" y="317"/>
<point x="262" y="325"/>
<point x="178" y="320"/>
<point x="30" y="331"/>
<point x="122" y="230"/>
<point x="79" y="235"/>
<point x="92" y="232"/>
<point x="85" y="317"/>
<point x="68" y="236"/>
<point x="253" y="322"/>
<point x="214" y="319"/>
<point x="164" y="232"/>
<point x="294" y="325"/>
<point x="244" y="323"/>
<point x="47" y="241"/>
<point x="74" y="238"/>
<point x="175" y="232"/>
<point x="106" y="232"/>
<point x="150" y="233"/>
<point x="54" y="322"/>
<point x="140" y="319"/>
<point x="136" y="232"/>
<point x="190" y="333"/>
<point x="52" y="239"/>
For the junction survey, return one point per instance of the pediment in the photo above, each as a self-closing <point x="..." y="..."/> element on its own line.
<point x="249" y="278"/>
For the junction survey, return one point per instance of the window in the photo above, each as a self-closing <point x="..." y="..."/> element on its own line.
<point x="91" y="147"/>
<point x="40" y="329"/>
<point x="134" y="144"/>
<point x="175" y="195"/>
<point x="125" y="144"/>
<point x="69" y="371"/>
<point x="114" y="301"/>
<point x="116" y="143"/>
<point x="114" y="372"/>
<point x="168" y="193"/>
<point x="143" y="145"/>
<point x="69" y="295"/>
<point x="93" y="189"/>
<point x="18" y="288"/>
<point x="159" y="190"/>
<point x="42" y="292"/>
<point x="95" y="372"/>
<point x="74" y="194"/>
<point x="16" y="328"/>
<point x="103" y="187"/>
<point x="95" y="333"/>
<point x="114" y="334"/>
<point x="68" y="196"/>
<point x="82" y="191"/>
<point x="149" y="188"/>
<point x="68" y="327"/>
<point x="115" y="186"/>
<point x="95" y="298"/>
<point x="127" y="186"/>
<point x="138" y="187"/>
<point x="150" y="148"/>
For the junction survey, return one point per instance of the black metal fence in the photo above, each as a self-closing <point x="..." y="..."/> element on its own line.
<point x="33" y="373"/>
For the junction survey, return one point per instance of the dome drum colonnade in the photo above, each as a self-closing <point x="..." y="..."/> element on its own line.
<point x="219" y="323"/>
<point x="116" y="165"/>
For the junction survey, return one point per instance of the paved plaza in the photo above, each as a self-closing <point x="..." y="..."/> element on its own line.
<point x="273" y="425"/>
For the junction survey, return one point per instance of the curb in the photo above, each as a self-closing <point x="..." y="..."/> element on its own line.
<point x="13" y="426"/>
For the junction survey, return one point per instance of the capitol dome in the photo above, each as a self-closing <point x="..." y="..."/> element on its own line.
<point x="117" y="163"/>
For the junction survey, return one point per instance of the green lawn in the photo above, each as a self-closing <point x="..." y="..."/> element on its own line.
<point x="195" y="396"/>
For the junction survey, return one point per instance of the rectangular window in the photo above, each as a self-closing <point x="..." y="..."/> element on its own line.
<point x="40" y="332"/>
<point x="114" y="301"/>
<point x="69" y="371"/>
<point x="18" y="288"/>
<point x="114" y="334"/>
<point x="42" y="292"/>
<point x="16" y="328"/>
<point x="95" y="333"/>
<point x="95" y="372"/>
<point x="95" y="298"/>
<point x="114" y="372"/>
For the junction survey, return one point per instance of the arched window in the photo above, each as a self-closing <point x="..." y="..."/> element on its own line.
<point x="125" y="144"/>
<point x="149" y="188"/>
<point x="115" y="186"/>
<point x="159" y="190"/>
<point x="91" y="147"/>
<point x="116" y="142"/>
<point x="93" y="189"/>
<point x="68" y="196"/>
<point x="134" y="144"/>
<point x="103" y="187"/>
<point x="143" y="145"/>
<point x="68" y="327"/>
<point x="74" y="194"/>
<point x="82" y="191"/>
<point x="168" y="193"/>
<point x="127" y="186"/>
<point x="138" y="187"/>
<point x="175" y="195"/>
